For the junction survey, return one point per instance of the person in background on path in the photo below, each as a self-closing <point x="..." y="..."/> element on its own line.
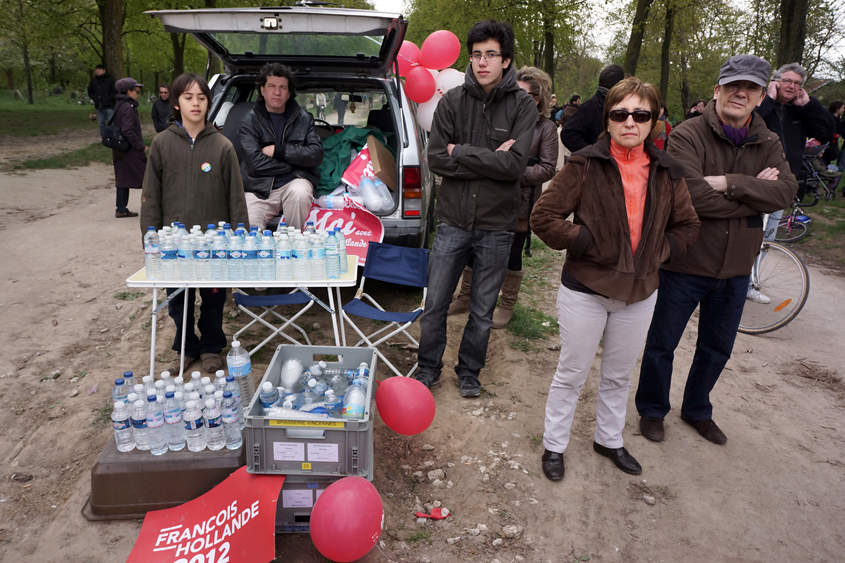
<point x="793" y="115"/>
<point x="632" y="212"/>
<point x="735" y="171"/>
<point x="662" y="128"/>
<point x="696" y="109"/>
<point x="481" y="135"/>
<point x="102" y="92"/>
<point x="836" y="153"/>
<point x="554" y="108"/>
<point x="161" y="108"/>
<point x="281" y="152"/>
<point x="570" y="109"/>
<point x="320" y="102"/>
<point x="339" y="105"/>
<point x="585" y="125"/>
<point x="193" y="177"/>
<point x="129" y="166"/>
<point x="542" y="162"/>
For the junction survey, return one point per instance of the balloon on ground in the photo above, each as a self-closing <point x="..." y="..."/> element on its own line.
<point x="347" y="519"/>
<point x="405" y="405"/>
<point x="440" y="50"/>
<point x="419" y="85"/>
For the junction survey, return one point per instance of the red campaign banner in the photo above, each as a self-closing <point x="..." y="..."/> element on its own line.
<point x="358" y="225"/>
<point x="234" y="522"/>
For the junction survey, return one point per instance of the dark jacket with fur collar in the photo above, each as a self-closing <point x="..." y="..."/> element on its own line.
<point x="597" y="240"/>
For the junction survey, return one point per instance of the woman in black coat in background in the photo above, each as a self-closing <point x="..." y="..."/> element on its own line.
<point x="129" y="166"/>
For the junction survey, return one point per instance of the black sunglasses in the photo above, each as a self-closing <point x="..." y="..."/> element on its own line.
<point x="621" y="115"/>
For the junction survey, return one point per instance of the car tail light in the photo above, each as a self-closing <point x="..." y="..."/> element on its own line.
<point x="412" y="191"/>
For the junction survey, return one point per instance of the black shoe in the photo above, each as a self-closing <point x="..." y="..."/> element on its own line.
<point x="707" y="429"/>
<point x="470" y="387"/>
<point x="621" y="458"/>
<point x="553" y="465"/>
<point x="428" y="380"/>
<point x="127" y="213"/>
<point x="652" y="428"/>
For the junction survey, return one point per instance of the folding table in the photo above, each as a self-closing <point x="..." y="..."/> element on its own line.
<point x="139" y="279"/>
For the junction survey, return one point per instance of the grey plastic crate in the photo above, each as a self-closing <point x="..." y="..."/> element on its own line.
<point x="331" y="447"/>
<point x="296" y="501"/>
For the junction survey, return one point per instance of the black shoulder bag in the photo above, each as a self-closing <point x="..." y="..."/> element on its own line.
<point x="113" y="137"/>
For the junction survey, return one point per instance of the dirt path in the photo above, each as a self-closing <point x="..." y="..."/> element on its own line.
<point x="773" y="493"/>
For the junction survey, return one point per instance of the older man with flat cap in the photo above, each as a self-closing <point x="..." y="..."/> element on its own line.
<point x="736" y="171"/>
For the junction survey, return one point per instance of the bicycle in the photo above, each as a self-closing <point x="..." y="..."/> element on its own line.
<point x="782" y="276"/>
<point x="795" y="226"/>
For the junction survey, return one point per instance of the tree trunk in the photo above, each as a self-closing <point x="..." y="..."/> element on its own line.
<point x="665" y="52"/>
<point x="155" y="82"/>
<point x="632" y="55"/>
<point x="111" y="19"/>
<point x="549" y="49"/>
<point x="10" y="79"/>
<point x="685" y="100"/>
<point x="178" y="54"/>
<point x="793" y="30"/>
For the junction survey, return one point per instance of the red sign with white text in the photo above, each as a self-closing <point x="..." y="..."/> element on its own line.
<point x="358" y="225"/>
<point x="235" y="522"/>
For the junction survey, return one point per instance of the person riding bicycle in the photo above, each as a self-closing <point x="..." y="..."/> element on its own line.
<point x="735" y="171"/>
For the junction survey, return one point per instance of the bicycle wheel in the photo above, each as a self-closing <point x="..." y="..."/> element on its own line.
<point x="791" y="231"/>
<point x="780" y="275"/>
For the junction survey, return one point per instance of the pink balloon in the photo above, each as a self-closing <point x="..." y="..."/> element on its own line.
<point x="347" y="519"/>
<point x="419" y="85"/>
<point x="408" y="57"/>
<point x="440" y="50"/>
<point x="404" y="404"/>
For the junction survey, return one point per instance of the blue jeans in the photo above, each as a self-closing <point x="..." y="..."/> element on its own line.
<point x="103" y="117"/>
<point x="449" y="255"/>
<point x="721" y="304"/>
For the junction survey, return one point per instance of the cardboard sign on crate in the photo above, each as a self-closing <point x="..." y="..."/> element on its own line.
<point x="234" y="522"/>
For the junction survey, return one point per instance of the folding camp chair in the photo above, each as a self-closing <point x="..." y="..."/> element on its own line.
<point x="269" y="304"/>
<point x="392" y="264"/>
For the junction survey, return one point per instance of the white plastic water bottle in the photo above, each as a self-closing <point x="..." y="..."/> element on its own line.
<point x="384" y="194"/>
<point x="301" y="267"/>
<point x="227" y="228"/>
<point x="208" y="392"/>
<point x="333" y="404"/>
<point x="240" y="231"/>
<point x="155" y="426"/>
<point x="214" y="426"/>
<point x="250" y="258"/>
<point x="185" y="262"/>
<point x="231" y="421"/>
<point x="341" y="250"/>
<point x="240" y="367"/>
<point x="354" y="401"/>
<point x="159" y="390"/>
<point x="168" y="259"/>
<point x="211" y="229"/>
<point x="129" y="380"/>
<point x="269" y="396"/>
<point x="194" y="427"/>
<point x="362" y="376"/>
<point x="202" y="259"/>
<point x="124" y="436"/>
<point x="332" y="257"/>
<point x="152" y="254"/>
<point x="119" y="392"/>
<point x="149" y="385"/>
<point x="235" y="390"/>
<point x="219" y="267"/>
<point x="180" y="398"/>
<point x="179" y="383"/>
<point x="318" y="258"/>
<point x="139" y="425"/>
<point x="284" y="258"/>
<point x="234" y="256"/>
<point x="220" y="380"/>
<point x="330" y="201"/>
<point x="174" y="429"/>
<point x="309" y="228"/>
<point x="266" y="262"/>
<point x="368" y="192"/>
<point x="218" y="399"/>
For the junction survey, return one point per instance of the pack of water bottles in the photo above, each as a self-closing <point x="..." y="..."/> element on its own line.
<point x="226" y="255"/>
<point x="169" y="414"/>
<point x="312" y="412"/>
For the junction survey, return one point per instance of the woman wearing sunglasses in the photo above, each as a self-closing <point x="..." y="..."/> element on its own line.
<point x="632" y="212"/>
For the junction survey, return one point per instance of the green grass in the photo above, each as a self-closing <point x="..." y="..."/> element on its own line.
<point x="47" y="117"/>
<point x="827" y="231"/>
<point x="129" y="295"/>
<point x="527" y="322"/>
<point x="102" y="417"/>
<point x="421" y="535"/>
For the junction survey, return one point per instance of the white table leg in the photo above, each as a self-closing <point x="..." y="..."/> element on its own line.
<point x="340" y="316"/>
<point x="334" y="317"/>
<point x="153" y="333"/>
<point x="184" y="332"/>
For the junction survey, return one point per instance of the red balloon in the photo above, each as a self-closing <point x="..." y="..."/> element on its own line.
<point x="440" y="50"/>
<point x="405" y="405"/>
<point x="419" y="85"/>
<point x="408" y="57"/>
<point x="347" y="519"/>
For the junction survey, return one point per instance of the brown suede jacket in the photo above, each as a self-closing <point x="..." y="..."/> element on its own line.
<point x="597" y="241"/>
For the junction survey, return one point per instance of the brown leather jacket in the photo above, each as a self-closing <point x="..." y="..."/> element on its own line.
<point x="544" y="147"/>
<point x="597" y="241"/>
<point x="731" y="223"/>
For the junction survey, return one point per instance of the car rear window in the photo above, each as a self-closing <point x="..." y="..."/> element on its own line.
<point x="291" y="44"/>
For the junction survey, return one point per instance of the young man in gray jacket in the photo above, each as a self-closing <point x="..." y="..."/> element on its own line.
<point x="480" y="138"/>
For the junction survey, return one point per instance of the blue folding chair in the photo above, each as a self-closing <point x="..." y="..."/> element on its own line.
<point x="392" y="264"/>
<point x="269" y="304"/>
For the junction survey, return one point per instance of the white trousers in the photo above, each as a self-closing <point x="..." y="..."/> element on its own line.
<point x="294" y="198"/>
<point x="583" y="318"/>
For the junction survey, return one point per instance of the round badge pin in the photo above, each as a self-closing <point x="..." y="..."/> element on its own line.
<point x="206" y="167"/>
